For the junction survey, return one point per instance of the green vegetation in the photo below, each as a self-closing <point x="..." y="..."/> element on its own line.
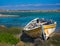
<point x="8" y="38"/>
<point x="7" y="35"/>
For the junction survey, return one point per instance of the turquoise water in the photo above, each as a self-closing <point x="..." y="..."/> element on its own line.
<point x="25" y="17"/>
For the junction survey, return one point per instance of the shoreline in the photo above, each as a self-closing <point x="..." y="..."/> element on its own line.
<point x="29" y="10"/>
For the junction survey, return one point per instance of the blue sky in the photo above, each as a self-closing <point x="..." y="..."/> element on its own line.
<point x="29" y="4"/>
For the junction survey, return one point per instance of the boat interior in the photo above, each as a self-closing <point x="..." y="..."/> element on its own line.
<point x="37" y="23"/>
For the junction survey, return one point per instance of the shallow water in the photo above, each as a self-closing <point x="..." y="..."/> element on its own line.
<point x="25" y="17"/>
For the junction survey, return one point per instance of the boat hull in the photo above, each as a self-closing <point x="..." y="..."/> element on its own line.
<point x="34" y="33"/>
<point x="48" y="30"/>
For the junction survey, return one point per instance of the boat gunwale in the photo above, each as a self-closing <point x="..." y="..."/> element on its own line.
<point x="38" y="27"/>
<point x="26" y="28"/>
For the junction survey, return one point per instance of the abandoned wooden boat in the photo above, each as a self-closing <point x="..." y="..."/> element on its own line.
<point x="40" y="28"/>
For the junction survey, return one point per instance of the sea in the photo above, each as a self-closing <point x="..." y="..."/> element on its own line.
<point x="25" y="17"/>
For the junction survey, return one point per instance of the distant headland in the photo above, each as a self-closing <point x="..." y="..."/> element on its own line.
<point x="29" y="10"/>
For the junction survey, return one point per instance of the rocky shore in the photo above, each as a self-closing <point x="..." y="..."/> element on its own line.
<point x="12" y="37"/>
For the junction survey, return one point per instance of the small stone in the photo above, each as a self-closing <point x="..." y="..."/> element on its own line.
<point x="20" y="44"/>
